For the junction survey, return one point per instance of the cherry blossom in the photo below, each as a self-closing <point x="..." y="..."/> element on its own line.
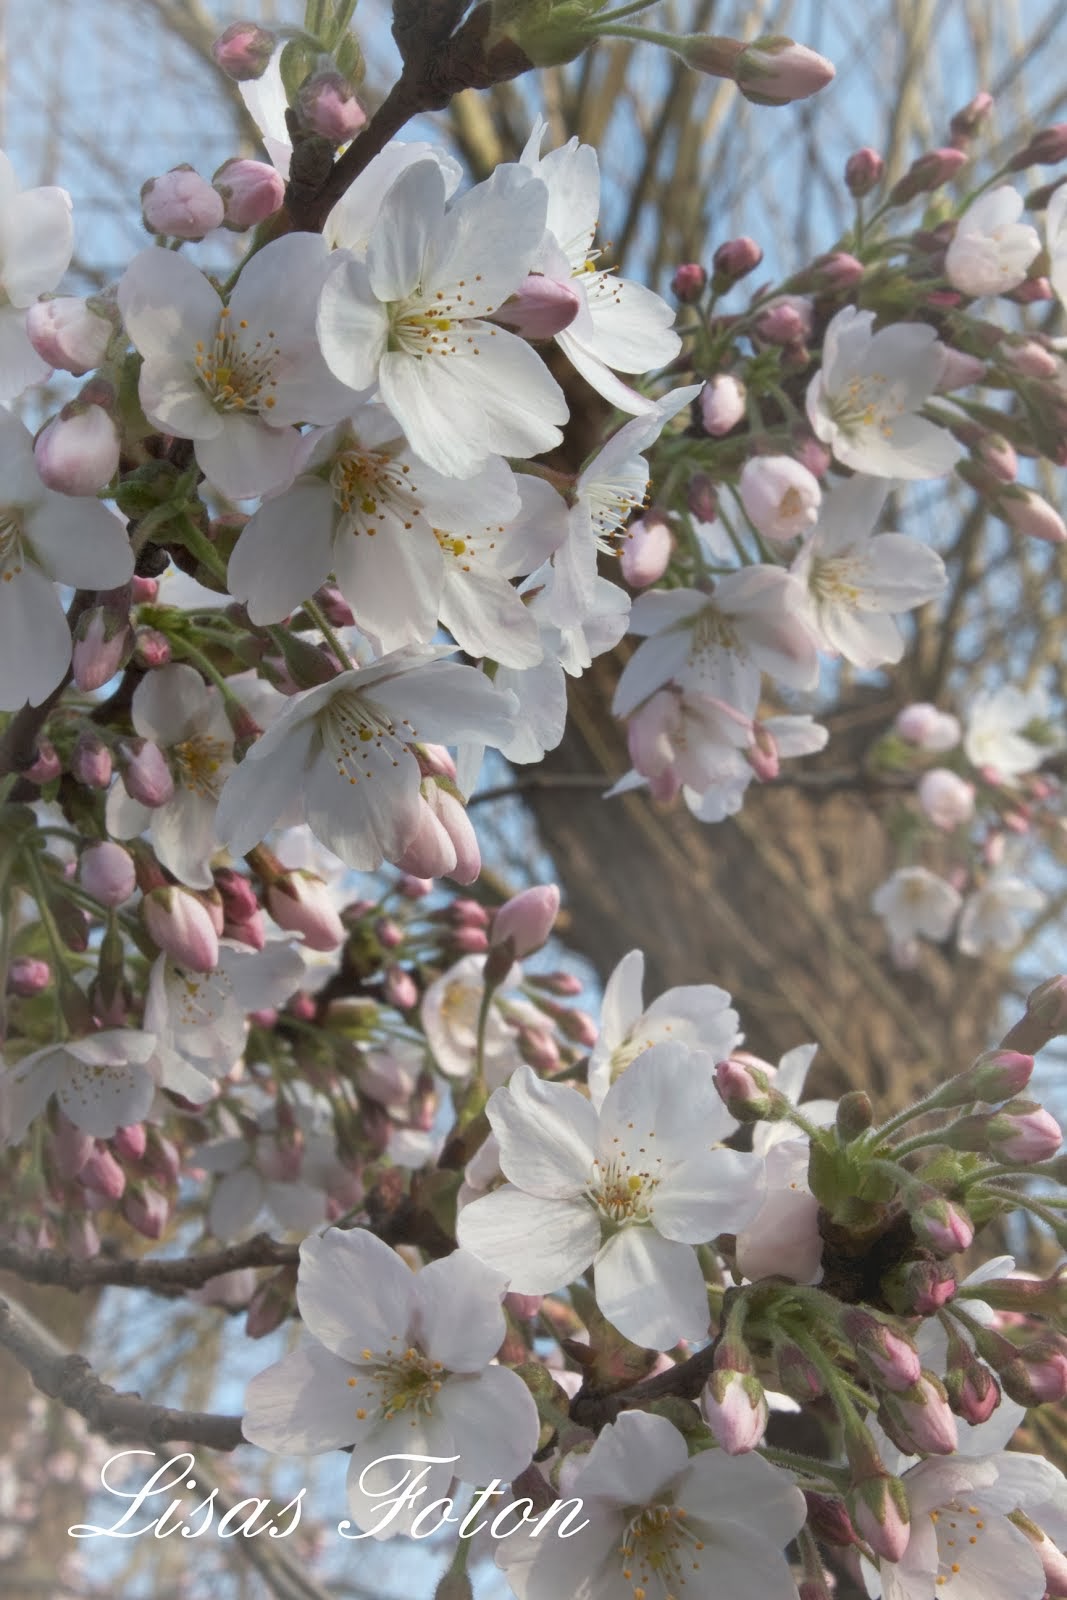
<point x="396" y="1362"/>
<point x="411" y="319"/>
<point x="990" y="918"/>
<point x="999" y="728"/>
<point x="859" y="581"/>
<point x="234" y="377"/>
<point x="36" y="244"/>
<point x="914" y="901"/>
<point x="657" y="1518"/>
<point x="45" y="538"/>
<point x="866" y="398"/>
<point x="344" y="754"/>
<point x="592" y="1187"/>
<point x="991" y="250"/>
<point x="101" y="1083"/>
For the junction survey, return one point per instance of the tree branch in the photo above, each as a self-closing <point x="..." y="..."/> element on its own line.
<point x="171" y="1278"/>
<point x="71" y="1379"/>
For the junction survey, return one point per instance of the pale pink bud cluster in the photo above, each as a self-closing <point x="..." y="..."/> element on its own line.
<point x="106" y="871"/>
<point x="445" y="844"/>
<point x="251" y="191"/>
<point x="68" y="333"/>
<point x="181" y="926"/>
<point x="78" y="452"/>
<point x="300" y="902"/>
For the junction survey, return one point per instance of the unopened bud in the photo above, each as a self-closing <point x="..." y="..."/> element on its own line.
<point x="995" y="1076"/>
<point x="735" y="259"/>
<point x="1037" y="1375"/>
<point x="251" y="192"/>
<point x="243" y="51"/>
<point x="973" y="1392"/>
<point x="1032" y="291"/>
<point x="942" y="1226"/>
<point x="1023" y="1132"/>
<point x="328" y="106"/>
<point x="919" y="1288"/>
<point x="300" y="902"/>
<point x="45" y="765"/>
<point x="1045" y="149"/>
<point x="179" y="924"/>
<point x="924" y="725"/>
<point x="540" y="307"/>
<point x="181" y="205"/>
<point x="106" y="871"/>
<point x="888" y="1355"/>
<point x="526" y="919"/>
<point x="855" y="1114"/>
<point x="130" y="1142"/>
<point x="646" y="549"/>
<point x="272" y="1302"/>
<point x="78" y="454"/>
<point x="101" y="1174"/>
<point x="919" y="1420"/>
<point x="828" y="1519"/>
<point x="90" y="760"/>
<point x="735" y="1408"/>
<point x="774" y="71"/>
<point x="1028" y="513"/>
<point x="863" y="172"/>
<point x="967" y="121"/>
<point x="27" y="976"/>
<point x="102" y="645"/>
<point x="146" y="1209"/>
<point x="745" y="1091"/>
<point x="722" y="404"/>
<point x="68" y="334"/>
<point x="926" y="173"/>
<point x="147" y="776"/>
<point x="702" y="497"/>
<point x="401" y="990"/>
<point x="880" y="1514"/>
<point x="689" y="282"/>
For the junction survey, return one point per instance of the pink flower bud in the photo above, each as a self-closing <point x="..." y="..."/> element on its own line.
<point x="436" y="760"/>
<point x="328" y="107"/>
<point x="967" y="121"/>
<point x="919" y="1288"/>
<point x="735" y="1409"/>
<point x="151" y="649"/>
<point x="1023" y="1132"/>
<point x="239" y="901"/>
<point x="78" y="454"/>
<point x="470" y="941"/>
<point x="71" y="1148"/>
<point x="400" y="989"/>
<point x="526" y="919"/>
<point x="689" y="282"/>
<point x="839" y="271"/>
<point x="300" y="902"/>
<point x="540" y="307"/>
<point x="102" y="645"/>
<point x="578" y="1027"/>
<point x="958" y="370"/>
<point x="702" y="497"/>
<point x="68" y="334"/>
<point x="946" y="798"/>
<point x="646" y="549"/>
<point x="942" y="1227"/>
<point x="130" y="1142"/>
<point x="924" y="725"/>
<point x="538" y="1049"/>
<point x="828" y="1519"/>
<point x="253" y="931"/>
<point x="775" y="71"/>
<point x="414" y="888"/>
<point x="251" y="192"/>
<point x="243" y="51"/>
<point x="27" y="976"/>
<point x="863" y="171"/>
<point x="813" y="455"/>
<point x="90" y="760"/>
<point x="973" y="1392"/>
<point x="144" y="591"/>
<point x="102" y="1174"/>
<point x="1037" y="1376"/>
<point x="780" y="497"/>
<point x="890" y="1357"/>
<point x="762" y="754"/>
<point x="1029" y="357"/>
<point x="736" y="259"/>
<point x="162" y="1157"/>
<point x="780" y="322"/>
<point x="211" y="900"/>
<point x="469" y="913"/>
<point x="106" y="871"/>
<point x="722" y="404"/>
<point x="926" y="173"/>
<point x="743" y="1090"/>
<point x="881" y="1516"/>
<point x="181" y="205"/>
<point x="995" y="452"/>
<point x="995" y="1075"/>
<point x="1029" y="514"/>
<point x="390" y="934"/>
<point x="1045" y="149"/>
<point x="452" y="816"/>
<point x="146" y="1209"/>
<point x="45" y="765"/>
<point x="919" y="1420"/>
<point x="181" y="925"/>
<point x="271" y="1303"/>
<point x="147" y="776"/>
<point x="561" y="983"/>
<point x="1053" y="1564"/>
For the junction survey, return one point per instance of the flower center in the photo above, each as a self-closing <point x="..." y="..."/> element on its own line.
<point x="658" y="1552"/>
<point x="198" y="764"/>
<point x="713" y="631"/>
<point x="834" y="580"/>
<point x="394" y="1383"/>
<point x="198" y="999"/>
<point x="11" y="552"/>
<point x="368" y="485"/>
<point x="867" y="402"/>
<point x="959" y="1529"/>
<point x="358" y="737"/>
<point x="610" y="504"/>
<point x="620" y="1194"/>
<point x="435" y="327"/>
<point x="236" y="374"/>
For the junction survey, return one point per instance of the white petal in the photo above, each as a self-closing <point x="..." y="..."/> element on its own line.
<point x="651" y="1288"/>
<point x="354" y="1293"/>
<point x="547" y="1135"/>
<point x="634" y="1460"/>
<point x="377" y="1473"/>
<point x="285" y="552"/>
<point x="80" y="542"/>
<point x="246" y="457"/>
<point x="303" y="1404"/>
<point x="493" y="1421"/>
<point x="460" y="1320"/>
<point x="541" y="1245"/>
<point x="34" y="639"/>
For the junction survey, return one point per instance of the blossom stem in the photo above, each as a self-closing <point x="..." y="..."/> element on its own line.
<point x="201" y="547"/>
<point x="811" y="1466"/>
<point x="625" y="11"/>
<point x="312" y="611"/>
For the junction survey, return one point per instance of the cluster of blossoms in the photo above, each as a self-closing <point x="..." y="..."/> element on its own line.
<point x="318" y="570"/>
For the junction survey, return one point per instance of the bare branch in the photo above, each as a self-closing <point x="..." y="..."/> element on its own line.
<point x="170" y="1278"/>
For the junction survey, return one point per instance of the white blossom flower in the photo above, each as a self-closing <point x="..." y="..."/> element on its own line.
<point x="101" y="1083"/>
<point x="696" y="1014"/>
<point x="915" y="902"/>
<point x="783" y="1237"/>
<point x="999" y="728"/>
<point x="36" y="242"/>
<point x="859" y="581"/>
<point x="286" y="1173"/>
<point x="611" y="485"/>
<point x="991" y="915"/>
<point x="680" y="739"/>
<point x="397" y="1363"/>
<point x="991" y="250"/>
<point x="620" y="325"/>
<point x="365" y="509"/>
<point x="178" y="711"/>
<point x="780" y="496"/>
<point x="45" y="538"/>
<point x="234" y="378"/>
<point x="791" y="736"/>
<point x="350" y="224"/>
<point x="449" y="1015"/>
<point x="412" y="319"/>
<point x="343" y="754"/>
<point x="660" y="1523"/>
<point x="630" y="1189"/>
<point x="718" y="644"/>
<point x="865" y="401"/>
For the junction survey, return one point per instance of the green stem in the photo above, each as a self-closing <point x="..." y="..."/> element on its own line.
<point x="314" y="612"/>
<point x="59" y="951"/>
<point x="625" y="11"/>
<point x="201" y="547"/>
<point x="811" y="1466"/>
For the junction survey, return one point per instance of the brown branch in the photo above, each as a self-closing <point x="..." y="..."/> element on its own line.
<point x="71" y="1379"/>
<point x="171" y="1278"/>
<point x="594" y="1408"/>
